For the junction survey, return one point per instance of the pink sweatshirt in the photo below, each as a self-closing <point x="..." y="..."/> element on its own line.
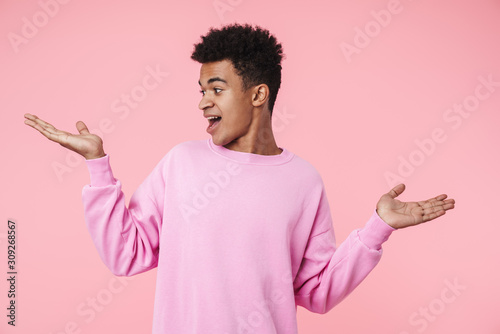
<point x="239" y="239"/>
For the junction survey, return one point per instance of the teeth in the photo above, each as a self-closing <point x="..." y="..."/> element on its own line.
<point x="212" y="117"/>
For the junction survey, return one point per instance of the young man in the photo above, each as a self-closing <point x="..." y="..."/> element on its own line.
<point x="239" y="228"/>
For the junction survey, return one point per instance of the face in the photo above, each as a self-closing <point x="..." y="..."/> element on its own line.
<point x="223" y="96"/>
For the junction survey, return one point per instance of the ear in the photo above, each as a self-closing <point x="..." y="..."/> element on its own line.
<point x="260" y="95"/>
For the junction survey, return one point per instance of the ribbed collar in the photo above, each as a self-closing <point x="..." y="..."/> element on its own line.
<point x="251" y="158"/>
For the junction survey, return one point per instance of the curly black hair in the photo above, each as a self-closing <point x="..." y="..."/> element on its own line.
<point x="255" y="54"/>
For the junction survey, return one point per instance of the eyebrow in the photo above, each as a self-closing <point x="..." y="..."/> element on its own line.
<point x="213" y="80"/>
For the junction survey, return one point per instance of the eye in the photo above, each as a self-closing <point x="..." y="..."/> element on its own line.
<point x="202" y="92"/>
<point x="217" y="90"/>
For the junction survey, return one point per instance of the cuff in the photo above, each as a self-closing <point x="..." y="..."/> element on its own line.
<point x="100" y="172"/>
<point x="375" y="232"/>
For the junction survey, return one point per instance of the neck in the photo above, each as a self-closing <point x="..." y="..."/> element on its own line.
<point x="259" y="138"/>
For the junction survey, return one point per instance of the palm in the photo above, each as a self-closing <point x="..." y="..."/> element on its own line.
<point x="85" y="143"/>
<point x="404" y="214"/>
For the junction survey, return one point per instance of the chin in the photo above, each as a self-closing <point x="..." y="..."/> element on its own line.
<point x="217" y="141"/>
<point x="221" y="141"/>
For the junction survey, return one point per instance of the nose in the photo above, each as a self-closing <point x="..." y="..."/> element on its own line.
<point x="206" y="102"/>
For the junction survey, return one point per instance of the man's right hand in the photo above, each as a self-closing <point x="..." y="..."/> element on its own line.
<point x="88" y="145"/>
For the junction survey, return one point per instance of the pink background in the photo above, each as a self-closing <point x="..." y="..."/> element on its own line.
<point x="355" y="117"/>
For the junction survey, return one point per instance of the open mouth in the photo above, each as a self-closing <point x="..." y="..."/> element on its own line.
<point x="213" y="120"/>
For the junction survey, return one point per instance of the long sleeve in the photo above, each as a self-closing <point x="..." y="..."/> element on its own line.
<point x="127" y="239"/>
<point x="328" y="274"/>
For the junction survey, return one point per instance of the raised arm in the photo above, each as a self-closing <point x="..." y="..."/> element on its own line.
<point x="328" y="274"/>
<point x="126" y="238"/>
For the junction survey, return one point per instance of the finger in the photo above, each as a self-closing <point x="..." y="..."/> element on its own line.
<point x="433" y="208"/>
<point x="397" y="190"/>
<point x="428" y="211"/>
<point x="49" y="132"/>
<point x="29" y="120"/>
<point x="446" y="204"/>
<point x="436" y="199"/>
<point x="82" y="128"/>
<point x="449" y="204"/>
<point x="35" y="125"/>
<point x="41" y="122"/>
<point x="441" y="197"/>
<point x="436" y="211"/>
<point x="28" y="115"/>
<point x="433" y="215"/>
<point x="38" y="126"/>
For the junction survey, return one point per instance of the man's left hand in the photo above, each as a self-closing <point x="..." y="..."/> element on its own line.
<point x="404" y="214"/>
